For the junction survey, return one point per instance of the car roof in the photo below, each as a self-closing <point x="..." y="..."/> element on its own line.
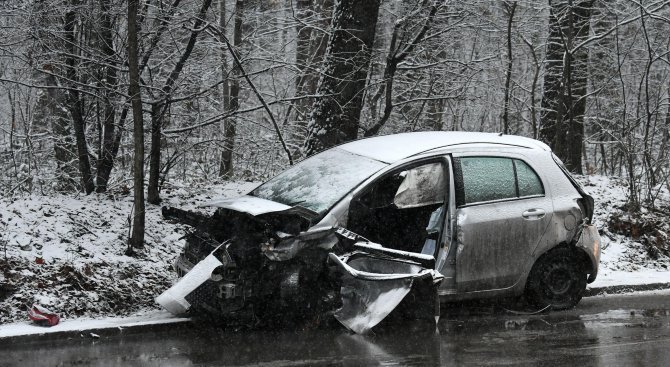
<point x="392" y="148"/>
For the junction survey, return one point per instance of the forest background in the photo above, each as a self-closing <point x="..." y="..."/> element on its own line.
<point x="225" y="90"/>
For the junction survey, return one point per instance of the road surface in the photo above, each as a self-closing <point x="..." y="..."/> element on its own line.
<point x="630" y="330"/>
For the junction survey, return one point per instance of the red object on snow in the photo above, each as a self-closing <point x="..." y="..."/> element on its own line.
<point x="42" y="316"/>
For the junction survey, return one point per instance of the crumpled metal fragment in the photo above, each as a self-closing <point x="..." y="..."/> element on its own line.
<point x="373" y="287"/>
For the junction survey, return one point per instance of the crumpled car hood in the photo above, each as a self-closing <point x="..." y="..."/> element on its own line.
<point x="248" y="204"/>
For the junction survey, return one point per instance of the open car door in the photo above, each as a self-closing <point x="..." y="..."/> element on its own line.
<point x="401" y="216"/>
<point x="376" y="280"/>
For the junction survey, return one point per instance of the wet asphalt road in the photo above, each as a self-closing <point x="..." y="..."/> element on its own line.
<point x="632" y="330"/>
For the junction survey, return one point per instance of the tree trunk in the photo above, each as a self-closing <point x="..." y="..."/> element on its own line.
<point x="305" y="10"/>
<point x="565" y="81"/>
<point x="336" y="113"/>
<point x="508" y="76"/>
<point x="137" y="237"/>
<point x="108" y="151"/>
<point x="75" y="103"/>
<point x="225" y="91"/>
<point x="50" y="108"/>
<point x="157" y="115"/>
<point x="229" y="125"/>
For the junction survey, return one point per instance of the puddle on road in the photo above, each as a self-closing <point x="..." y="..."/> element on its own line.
<point x="627" y="318"/>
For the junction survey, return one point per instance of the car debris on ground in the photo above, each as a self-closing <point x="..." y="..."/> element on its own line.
<point x="43" y="316"/>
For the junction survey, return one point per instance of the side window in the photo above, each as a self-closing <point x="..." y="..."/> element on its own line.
<point x="496" y="178"/>
<point x="487" y="178"/>
<point x="529" y="183"/>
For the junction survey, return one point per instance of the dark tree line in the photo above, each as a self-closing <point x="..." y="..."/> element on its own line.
<point x="236" y="89"/>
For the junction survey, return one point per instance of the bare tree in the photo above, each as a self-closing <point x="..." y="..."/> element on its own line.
<point x="510" y="9"/>
<point x="565" y="81"/>
<point x="233" y="95"/>
<point x="160" y="107"/>
<point x="225" y="164"/>
<point x="137" y="238"/>
<point x="74" y="100"/>
<point x="111" y="135"/>
<point x="397" y="54"/>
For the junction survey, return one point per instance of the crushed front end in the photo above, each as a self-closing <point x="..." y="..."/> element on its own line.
<point x="250" y="266"/>
<point x="255" y="264"/>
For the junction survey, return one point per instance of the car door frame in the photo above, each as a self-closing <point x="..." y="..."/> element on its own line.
<point x="442" y="158"/>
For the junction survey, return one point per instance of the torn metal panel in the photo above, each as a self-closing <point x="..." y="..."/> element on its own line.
<point x="287" y="247"/>
<point x="366" y="303"/>
<point x="425" y="260"/>
<point x="374" y="286"/>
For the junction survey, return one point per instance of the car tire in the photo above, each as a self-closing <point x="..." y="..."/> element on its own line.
<point x="557" y="280"/>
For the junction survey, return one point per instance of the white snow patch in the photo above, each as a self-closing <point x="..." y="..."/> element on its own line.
<point x="67" y="251"/>
<point x="145" y="318"/>
<point x="623" y="261"/>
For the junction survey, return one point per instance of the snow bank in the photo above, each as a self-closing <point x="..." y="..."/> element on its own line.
<point x="66" y="252"/>
<point x="83" y="324"/>
<point x="624" y="261"/>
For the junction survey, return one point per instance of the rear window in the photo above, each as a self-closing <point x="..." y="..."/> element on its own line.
<point x="528" y="181"/>
<point x="482" y="179"/>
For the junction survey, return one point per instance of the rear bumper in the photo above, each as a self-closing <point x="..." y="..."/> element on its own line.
<point x="589" y="242"/>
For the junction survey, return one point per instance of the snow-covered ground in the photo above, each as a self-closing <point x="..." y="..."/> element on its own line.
<point x="147" y="317"/>
<point x="625" y="260"/>
<point x="67" y="253"/>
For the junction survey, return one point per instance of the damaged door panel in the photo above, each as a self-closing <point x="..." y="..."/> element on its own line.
<point x="375" y="284"/>
<point x="373" y="229"/>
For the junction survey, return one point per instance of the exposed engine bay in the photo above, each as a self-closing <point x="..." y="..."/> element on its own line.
<point x="250" y="264"/>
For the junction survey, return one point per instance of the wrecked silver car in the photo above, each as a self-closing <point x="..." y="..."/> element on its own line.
<point x="393" y="224"/>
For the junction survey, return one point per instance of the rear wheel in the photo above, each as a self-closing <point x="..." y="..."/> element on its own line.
<point x="556" y="280"/>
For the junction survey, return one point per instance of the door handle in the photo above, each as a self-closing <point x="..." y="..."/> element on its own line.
<point x="533" y="214"/>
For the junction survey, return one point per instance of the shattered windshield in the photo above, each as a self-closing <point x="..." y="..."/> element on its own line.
<point x="318" y="182"/>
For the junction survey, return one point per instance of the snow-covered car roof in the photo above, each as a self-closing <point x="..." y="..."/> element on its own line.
<point x="392" y="148"/>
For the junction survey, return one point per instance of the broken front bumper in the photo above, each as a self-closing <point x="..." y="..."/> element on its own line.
<point x="374" y="281"/>
<point x="174" y="299"/>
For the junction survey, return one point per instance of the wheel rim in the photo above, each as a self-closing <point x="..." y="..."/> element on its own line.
<point x="558" y="281"/>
